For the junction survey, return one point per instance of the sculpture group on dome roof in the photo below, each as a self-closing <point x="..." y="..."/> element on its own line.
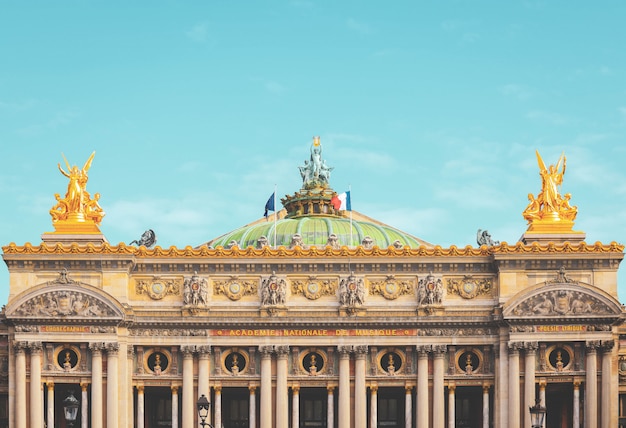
<point x="549" y="205"/>
<point x="315" y="173"/>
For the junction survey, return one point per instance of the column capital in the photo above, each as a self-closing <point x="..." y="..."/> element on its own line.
<point x="591" y="346"/>
<point x="486" y="389"/>
<point x="20" y="347"/>
<point x="112" y="348"/>
<point x="50" y="386"/>
<point x="607" y="346"/>
<point x="451" y="388"/>
<point x="84" y="386"/>
<point x="439" y="350"/>
<point x="295" y="389"/>
<point x="514" y="347"/>
<point x="174" y="389"/>
<point x="266" y="351"/>
<point x="423" y="350"/>
<point x="187" y="350"/>
<point x="282" y="351"/>
<point x="374" y="388"/>
<point x="408" y="389"/>
<point x="35" y="347"/>
<point x="97" y="347"/>
<point x="360" y="351"/>
<point x="531" y="347"/>
<point x="330" y="389"/>
<point x="204" y="351"/>
<point x="217" y="389"/>
<point x="140" y="389"/>
<point x="577" y="384"/>
<point x="344" y="351"/>
<point x="252" y="389"/>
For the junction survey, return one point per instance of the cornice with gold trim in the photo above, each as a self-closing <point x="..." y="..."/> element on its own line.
<point x="220" y="252"/>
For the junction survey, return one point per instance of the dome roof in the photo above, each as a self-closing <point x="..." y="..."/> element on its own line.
<point x="315" y="231"/>
<point x="316" y="216"/>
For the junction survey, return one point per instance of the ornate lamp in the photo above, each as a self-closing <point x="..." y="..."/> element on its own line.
<point x="537" y="414"/>
<point x="203" y="405"/>
<point x="70" y="408"/>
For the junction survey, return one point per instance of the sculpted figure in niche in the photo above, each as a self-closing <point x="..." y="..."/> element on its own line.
<point x="351" y="291"/>
<point x="234" y="368"/>
<point x="157" y="365"/>
<point x="67" y="364"/>
<point x="273" y="291"/>
<point x="391" y="368"/>
<point x="313" y="365"/>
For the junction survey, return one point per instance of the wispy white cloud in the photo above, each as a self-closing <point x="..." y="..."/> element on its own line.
<point x="199" y="33"/>
<point x="358" y="26"/>
<point x="274" y="87"/>
<point x="521" y="92"/>
<point x="547" y="117"/>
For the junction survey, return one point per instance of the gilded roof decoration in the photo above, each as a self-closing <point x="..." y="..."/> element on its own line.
<point x="77" y="212"/>
<point x="550" y="211"/>
<point x="220" y="252"/>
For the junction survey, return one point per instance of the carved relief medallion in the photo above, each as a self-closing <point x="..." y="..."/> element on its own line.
<point x="313" y="288"/>
<point x="469" y="287"/>
<point x="157" y="288"/>
<point x="235" y="288"/>
<point x="391" y="288"/>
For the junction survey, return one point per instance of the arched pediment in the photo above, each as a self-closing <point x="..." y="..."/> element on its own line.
<point x="559" y="300"/>
<point x="65" y="299"/>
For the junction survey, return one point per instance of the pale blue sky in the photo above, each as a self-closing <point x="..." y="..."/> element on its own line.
<point x="431" y="111"/>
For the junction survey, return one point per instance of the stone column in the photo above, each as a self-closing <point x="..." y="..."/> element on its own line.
<point x="576" y="405"/>
<point x="50" y="409"/>
<point x="373" y="406"/>
<point x="84" y="406"/>
<point x="130" y="370"/>
<point x="439" y="416"/>
<point x="266" y="386"/>
<point x="204" y="353"/>
<point x="530" y="349"/>
<point x="607" y="376"/>
<point x="112" y="389"/>
<point x="96" y="385"/>
<point x="591" y="384"/>
<point x="360" y="390"/>
<point x="295" y="406"/>
<point x="174" y="389"/>
<point x="451" y="403"/>
<point x="501" y="398"/>
<point x="485" y="406"/>
<point x="36" y="397"/>
<point x="408" y="407"/>
<point x="217" y="406"/>
<point x="330" y="408"/>
<point x="252" y="411"/>
<point x="344" y="386"/>
<point x="514" y="395"/>
<point x="20" y="384"/>
<point x="140" y="406"/>
<point x="422" y="386"/>
<point x="189" y="401"/>
<point x="282" y="391"/>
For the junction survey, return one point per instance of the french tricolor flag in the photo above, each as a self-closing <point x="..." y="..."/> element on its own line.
<point x="342" y="202"/>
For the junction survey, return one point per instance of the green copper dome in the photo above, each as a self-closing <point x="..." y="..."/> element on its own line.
<point x="316" y="216"/>
<point x="315" y="231"/>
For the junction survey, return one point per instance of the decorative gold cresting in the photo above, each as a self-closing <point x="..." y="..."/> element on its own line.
<point x="550" y="212"/>
<point x="77" y="212"/>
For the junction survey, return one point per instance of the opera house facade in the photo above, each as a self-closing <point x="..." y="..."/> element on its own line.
<point x="315" y="316"/>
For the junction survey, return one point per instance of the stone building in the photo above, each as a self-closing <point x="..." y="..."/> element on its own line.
<point x="317" y="316"/>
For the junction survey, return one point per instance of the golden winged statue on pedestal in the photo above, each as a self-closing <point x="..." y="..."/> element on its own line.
<point x="549" y="206"/>
<point x="77" y="207"/>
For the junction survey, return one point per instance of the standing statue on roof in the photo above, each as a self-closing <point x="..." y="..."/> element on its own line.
<point x="549" y="204"/>
<point x="315" y="173"/>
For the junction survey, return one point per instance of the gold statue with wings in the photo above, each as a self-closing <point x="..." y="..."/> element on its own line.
<point x="549" y="205"/>
<point x="77" y="206"/>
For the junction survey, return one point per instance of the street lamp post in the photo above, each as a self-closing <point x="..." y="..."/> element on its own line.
<point x="70" y="409"/>
<point x="203" y="405"/>
<point x="537" y="414"/>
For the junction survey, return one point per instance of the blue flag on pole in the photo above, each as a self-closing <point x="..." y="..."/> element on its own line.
<point x="269" y="205"/>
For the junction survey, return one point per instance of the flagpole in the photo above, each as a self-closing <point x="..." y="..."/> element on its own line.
<point x="275" y="216"/>
<point x="350" y="190"/>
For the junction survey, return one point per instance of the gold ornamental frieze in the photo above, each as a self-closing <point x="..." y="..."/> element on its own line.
<point x="157" y="288"/>
<point x="391" y="288"/>
<point x="469" y="287"/>
<point x="221" y="253"/>
<point x="313" y="288"/>
<point x="235" y="288"/>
